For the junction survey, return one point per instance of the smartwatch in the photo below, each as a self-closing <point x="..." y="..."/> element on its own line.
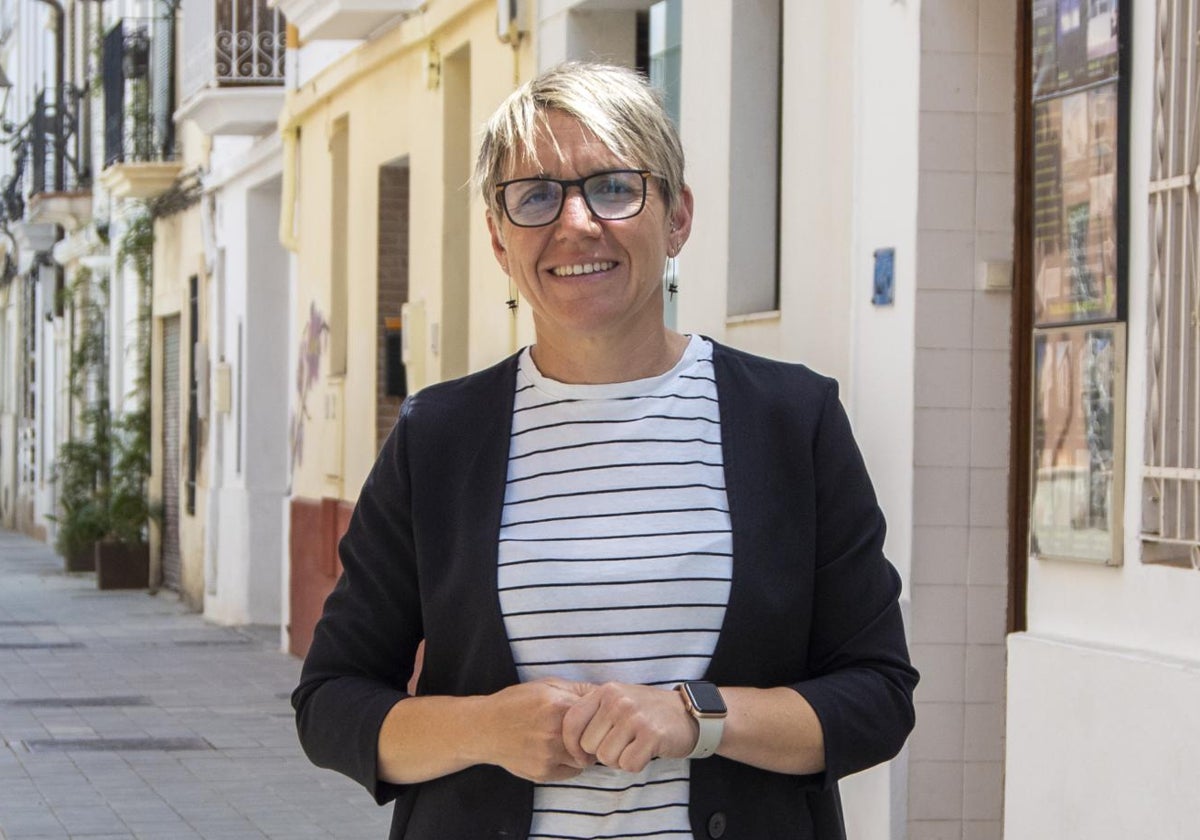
<point x="704" y="702"/>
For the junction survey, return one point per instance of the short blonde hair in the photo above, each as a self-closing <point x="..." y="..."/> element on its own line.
<point x="616" y="104"/>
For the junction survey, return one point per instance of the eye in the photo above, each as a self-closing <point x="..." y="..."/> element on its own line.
<point x="532" y="194"/>
<point x="613" y="186"/>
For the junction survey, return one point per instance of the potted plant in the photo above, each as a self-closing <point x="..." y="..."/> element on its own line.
<point x="82" y="518"/>
<point x="123" y="553"/>
<point x="82" y="463"/>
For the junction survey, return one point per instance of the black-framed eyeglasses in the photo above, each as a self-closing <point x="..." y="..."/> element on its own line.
<point x="610" y="195"/>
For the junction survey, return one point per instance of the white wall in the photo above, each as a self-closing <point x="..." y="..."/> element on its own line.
<point x="961" y="417"/>
<point x="879" y="391"/>
<point x="848" y="179"/>
<point x="1102" y="742"/>
<point x="1103" y="688"/>
<point x="246" y="554"/>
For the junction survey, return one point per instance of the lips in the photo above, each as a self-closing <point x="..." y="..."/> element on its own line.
<point x="581" y="269"/>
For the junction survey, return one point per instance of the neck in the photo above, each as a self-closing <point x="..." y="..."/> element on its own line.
<point x="594" y="360"/>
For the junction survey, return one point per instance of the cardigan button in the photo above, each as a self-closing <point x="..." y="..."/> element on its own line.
<point x="716" y="825"/>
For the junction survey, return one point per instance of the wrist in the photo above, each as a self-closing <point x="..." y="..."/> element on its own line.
<point x="704" y="704"/>
<point x="477" y="740"/>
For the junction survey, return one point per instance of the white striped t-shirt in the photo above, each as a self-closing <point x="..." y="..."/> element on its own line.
<point x="614" y="564"/>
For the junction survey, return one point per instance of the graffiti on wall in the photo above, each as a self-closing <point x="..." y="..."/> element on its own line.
<point x="313" y="340"/>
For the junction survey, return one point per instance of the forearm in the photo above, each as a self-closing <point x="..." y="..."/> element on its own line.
<point x="424" y="738"/>
<point x="518" y="728"/>
<point x="773" y="729"/>
<point x="626" y="726"/>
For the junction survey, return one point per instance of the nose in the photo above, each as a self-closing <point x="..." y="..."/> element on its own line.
<point x="576" y="215"/>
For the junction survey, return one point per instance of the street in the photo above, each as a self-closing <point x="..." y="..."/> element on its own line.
<point x="124" y="715"/>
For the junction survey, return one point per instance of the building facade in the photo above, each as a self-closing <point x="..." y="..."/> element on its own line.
<point x="978" y="215"/>
<point x="1102" y="677"/>
<point x="389" y="250"/>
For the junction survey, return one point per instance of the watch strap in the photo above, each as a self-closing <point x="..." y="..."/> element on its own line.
<point x="711" y="730"/>
<point x="712" y="725"/>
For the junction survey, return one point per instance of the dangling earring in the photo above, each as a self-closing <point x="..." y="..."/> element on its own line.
<point x="512" y="296"/>
<point x="670" y="278"/>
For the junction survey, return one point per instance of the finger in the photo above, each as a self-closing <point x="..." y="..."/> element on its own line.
<point x="574" y="723"/>
<point x="600" y="739"/>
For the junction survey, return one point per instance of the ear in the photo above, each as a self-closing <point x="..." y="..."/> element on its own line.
<point x="680" y="223"/>
<point x="498" y="247"/>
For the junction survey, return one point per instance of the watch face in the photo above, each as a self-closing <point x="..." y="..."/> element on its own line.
<point x="705" y="698"/>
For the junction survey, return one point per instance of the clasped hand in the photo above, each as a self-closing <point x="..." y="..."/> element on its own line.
<point x="552" y="728"/>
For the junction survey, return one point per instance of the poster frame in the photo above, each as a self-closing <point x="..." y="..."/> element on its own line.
<point x="1114" y="555"/>
<point x="1122" y="78"/>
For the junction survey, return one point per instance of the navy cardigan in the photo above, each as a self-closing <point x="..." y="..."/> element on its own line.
<point x="813" y="603"/>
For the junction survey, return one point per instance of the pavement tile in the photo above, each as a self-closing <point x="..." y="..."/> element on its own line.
<point x="228" y="687"/>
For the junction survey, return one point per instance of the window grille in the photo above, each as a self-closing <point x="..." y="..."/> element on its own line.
<point x="1171" y="486"/>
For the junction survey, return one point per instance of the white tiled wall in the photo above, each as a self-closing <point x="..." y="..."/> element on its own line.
<point x="961" y="454"/>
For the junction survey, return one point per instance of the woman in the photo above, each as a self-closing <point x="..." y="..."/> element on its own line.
<point x="647" y="568"/>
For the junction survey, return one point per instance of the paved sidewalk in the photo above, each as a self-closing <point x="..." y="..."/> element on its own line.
<point x="124" y="715"/>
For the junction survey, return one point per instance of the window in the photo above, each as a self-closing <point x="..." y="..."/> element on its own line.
<point x="1171" y="486"/>
<point x="754" y="158"/>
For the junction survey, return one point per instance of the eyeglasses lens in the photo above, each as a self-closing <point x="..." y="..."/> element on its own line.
<point x="610" y="195"/>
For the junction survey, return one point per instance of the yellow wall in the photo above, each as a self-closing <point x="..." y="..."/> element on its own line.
<point x="382" y="90"/>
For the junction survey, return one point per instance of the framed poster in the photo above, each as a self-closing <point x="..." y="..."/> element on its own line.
<point x="1077" y="474"/>
<point x="1075" y="227"/>
<point x="1075" y="44"/>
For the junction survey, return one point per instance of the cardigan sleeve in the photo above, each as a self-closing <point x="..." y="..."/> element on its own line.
<point x="364" y="646"/>
<point x="861" y="681"/>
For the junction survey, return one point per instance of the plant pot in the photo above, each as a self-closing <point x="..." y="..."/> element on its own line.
<point x="122" y="565"/>
<point x="81" y="560"/>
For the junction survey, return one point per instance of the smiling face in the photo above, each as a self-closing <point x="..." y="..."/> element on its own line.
<point x="587" y="279"/>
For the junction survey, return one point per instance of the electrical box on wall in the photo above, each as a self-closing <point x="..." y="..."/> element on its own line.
<point x="995" y="275"/>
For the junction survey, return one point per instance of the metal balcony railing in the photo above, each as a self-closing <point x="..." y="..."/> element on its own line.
<point x="230" y="43"/>
<point x="1171" y="485"/>
<point x="47" y="151"/>
<point x="139" y="91"/>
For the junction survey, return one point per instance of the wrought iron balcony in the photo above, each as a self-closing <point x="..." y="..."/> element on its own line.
<point x="233" y="65"/>
<point x="139" y="95"/>
<point x="325" y="19"/>
<point x="47" y="152"/>
<point x="139" y="102"/>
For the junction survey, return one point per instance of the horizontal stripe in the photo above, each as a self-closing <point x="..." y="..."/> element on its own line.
<point x="616" y="513"/>
<point x="564" y="448"/>
<point x="563" y="423"/>
<point x="606" y="466"/>
<point x="621" y="788"/>
<point x="607" y="583"/>
<point x="615" y="609"/>
<point x="614" y="564"/>
<point x="622" y="836"/>
<point x="606" y="559"/>
<point x="600" y="492"/>
<point x="554" y="403"/>
<point x="613" y="536"/>
<point x="616" y="634"/>
<point x="664" y="658"/>
<point x="612" y="812"/>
